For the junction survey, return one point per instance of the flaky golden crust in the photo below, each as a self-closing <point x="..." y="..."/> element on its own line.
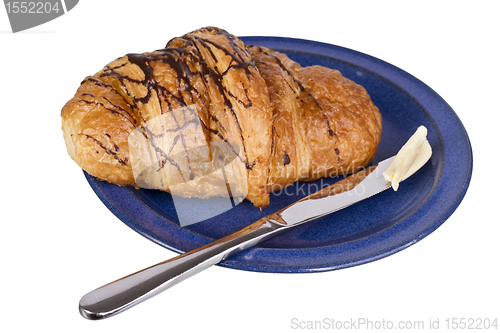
<point x="208" y="71"/>
<point x="96" y="124"/>
<point x="280" y="121"/>
<point x="240" y="108"/>
<point x="323" y="123"/>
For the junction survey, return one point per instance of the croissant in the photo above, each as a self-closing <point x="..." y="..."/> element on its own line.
<point x="208" y="115"/>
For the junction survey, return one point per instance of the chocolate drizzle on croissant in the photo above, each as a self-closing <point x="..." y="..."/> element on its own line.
<point x="270" y="56"/>
<point x="283" y="122"/>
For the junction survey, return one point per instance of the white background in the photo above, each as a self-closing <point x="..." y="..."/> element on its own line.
<point x="58" y="241"/>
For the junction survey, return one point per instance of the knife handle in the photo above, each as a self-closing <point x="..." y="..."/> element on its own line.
<point x="128" y="291"/>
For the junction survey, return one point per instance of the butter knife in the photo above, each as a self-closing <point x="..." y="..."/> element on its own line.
<point x="128" y="291"/>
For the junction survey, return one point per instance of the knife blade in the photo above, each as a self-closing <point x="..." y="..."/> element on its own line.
<point x="128" y="291"/>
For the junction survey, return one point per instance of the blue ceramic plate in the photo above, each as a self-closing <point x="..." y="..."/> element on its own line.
<point x="367" y="231"/>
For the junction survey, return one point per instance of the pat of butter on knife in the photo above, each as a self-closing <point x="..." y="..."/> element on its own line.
<point x="411" y="157"/>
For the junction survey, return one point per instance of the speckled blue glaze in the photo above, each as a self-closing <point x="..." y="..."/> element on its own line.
<point x="364" y="232"/>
